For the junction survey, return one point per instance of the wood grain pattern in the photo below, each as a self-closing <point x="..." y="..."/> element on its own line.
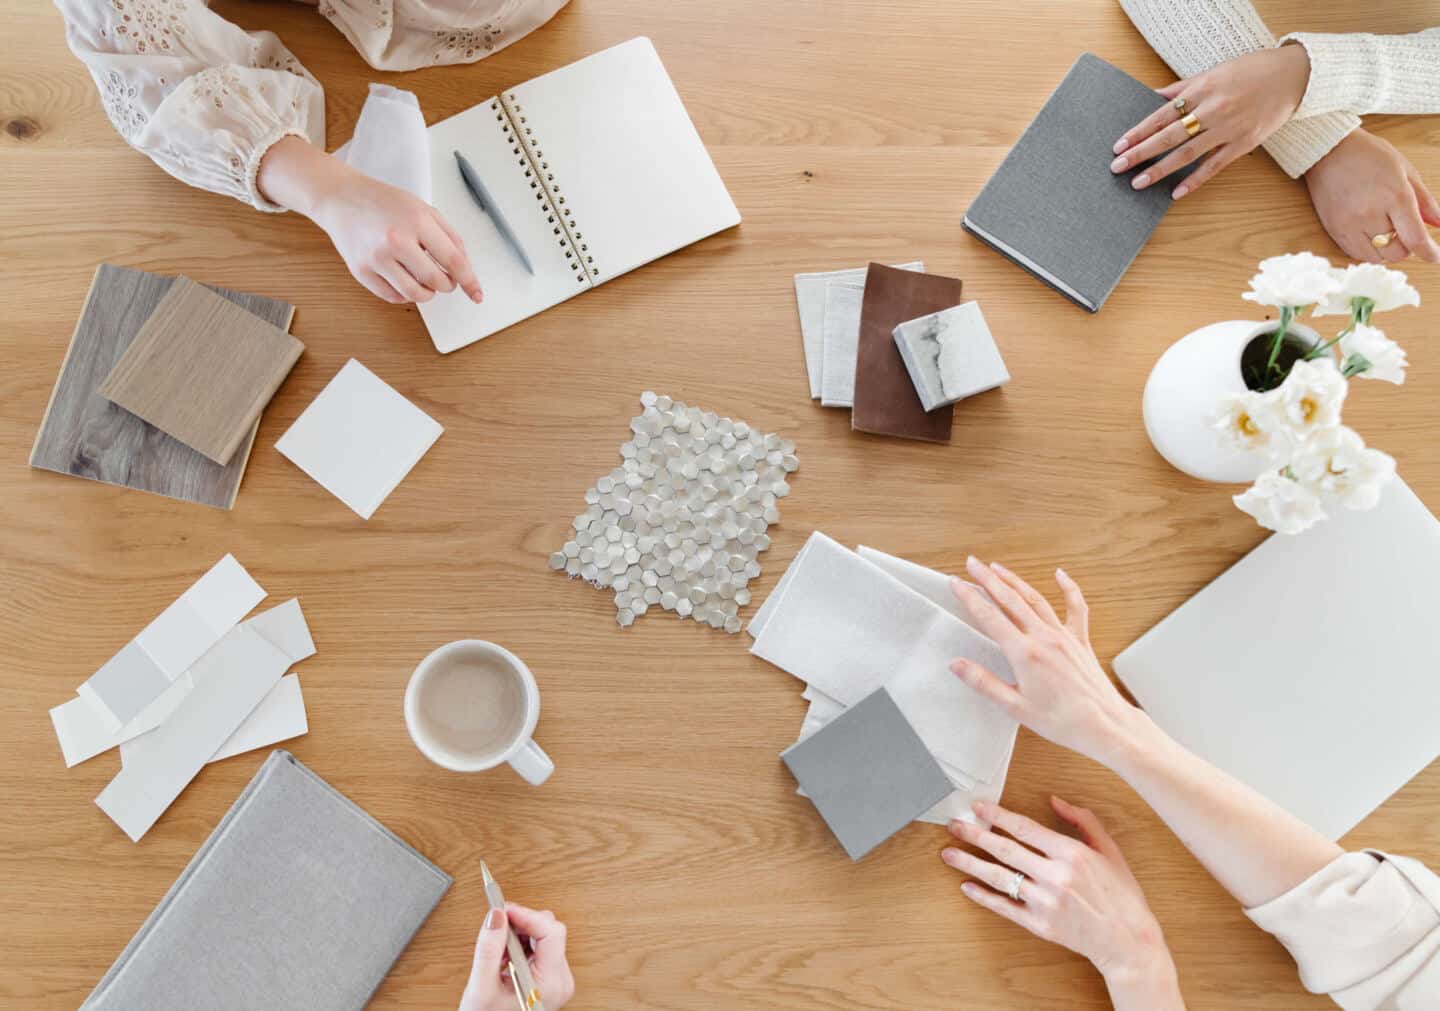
<point x="670" y="836"/>
<point x="201" y="369"/>
<point x="85" y="435"/>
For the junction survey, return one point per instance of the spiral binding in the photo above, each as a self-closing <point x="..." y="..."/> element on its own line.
<point x="531" y="158"/>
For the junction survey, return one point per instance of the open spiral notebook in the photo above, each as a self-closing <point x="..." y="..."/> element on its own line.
<point x="597" y="168"/>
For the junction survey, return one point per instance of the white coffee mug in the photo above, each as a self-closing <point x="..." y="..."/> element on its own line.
<point x="471" y="705"/>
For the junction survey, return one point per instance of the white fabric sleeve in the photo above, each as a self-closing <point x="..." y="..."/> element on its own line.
<point x="1365" y="73"/>
<point x="410" y="34"/>
<point x="1192" y="36"/>
<point x="1364" y="929"/>
<point x="199" y="95"/>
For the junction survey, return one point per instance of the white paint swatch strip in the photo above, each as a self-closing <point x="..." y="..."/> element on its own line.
<point x="144" y="668"/>
<point x="230" y="681"/>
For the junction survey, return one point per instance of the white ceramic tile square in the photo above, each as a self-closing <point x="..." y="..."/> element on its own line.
<point x="950" y="355"/>
<point x="359" y="438"/>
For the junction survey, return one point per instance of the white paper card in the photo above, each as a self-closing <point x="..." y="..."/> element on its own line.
<point x="359" y="438"/>
<point x="825" y="631"/>
<point x="279" y="717"/>
<point x="284" y="625"/>
<point x="841" y="330"/>
<point x="230" y="681"/>
<point x="84" y="733"/>
<point x="810" y="299"/>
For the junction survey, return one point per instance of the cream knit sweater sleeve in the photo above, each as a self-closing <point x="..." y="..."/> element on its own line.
<point x="1194" y="35"/>
<point x="1371" y="73"/>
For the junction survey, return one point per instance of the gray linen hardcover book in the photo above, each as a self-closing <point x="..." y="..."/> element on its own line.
<point x="1054" y="207"/>
<point x="299" y="899"/>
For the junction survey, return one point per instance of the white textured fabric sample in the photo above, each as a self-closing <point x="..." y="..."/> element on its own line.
<point x="810" y="299"/>
<point x="841" y="330"/>
<point x="390" y="143"/>
<point x="846" y="628"/>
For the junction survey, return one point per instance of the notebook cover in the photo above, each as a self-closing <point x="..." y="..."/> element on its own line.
<point x="1054" y="201"/>
<point x="86" y="436"/>
<point x="299" y="899"/>
<point x="1308" y="669"/>
<point x="885" y="399"/>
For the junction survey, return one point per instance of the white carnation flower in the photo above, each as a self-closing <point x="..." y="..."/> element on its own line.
<point x="1386" y="358"/>
<point x="1251" y="421"/>
<point x="1338" y="467"/>
<point x="1388" y="289"/>
<point x="1294" y="279"/>
<point x="1309" y="400"/>
<point x="1281" y="504"/>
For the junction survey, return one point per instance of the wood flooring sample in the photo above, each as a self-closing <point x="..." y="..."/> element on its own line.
<point x="202" y="369"/>
<point x="84" y="435"/>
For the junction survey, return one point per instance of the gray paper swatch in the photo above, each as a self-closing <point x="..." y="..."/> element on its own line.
<point x="1054" y="207"/>
<point x="299" y="899"/>
<point x="868" y="773"/>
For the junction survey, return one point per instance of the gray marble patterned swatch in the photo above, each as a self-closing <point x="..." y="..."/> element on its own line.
<point x="950" y="355"/>
<point x="810" y="298"/>
<point x="681" y="523"/>
<point x="842" y="343"/>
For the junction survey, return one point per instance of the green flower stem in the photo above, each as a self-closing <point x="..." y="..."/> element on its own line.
<point x="1287" y="315"/>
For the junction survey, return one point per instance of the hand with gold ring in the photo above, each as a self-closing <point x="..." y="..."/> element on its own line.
<point x="1217" y="116"/>
<point x="1079" y="893"/>
<point x="1372" y="201"/>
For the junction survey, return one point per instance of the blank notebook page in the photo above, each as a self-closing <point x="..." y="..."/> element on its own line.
<point x="625" y="156"/>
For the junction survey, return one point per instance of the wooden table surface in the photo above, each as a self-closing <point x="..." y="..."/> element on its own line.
<point x="670" y="837"/>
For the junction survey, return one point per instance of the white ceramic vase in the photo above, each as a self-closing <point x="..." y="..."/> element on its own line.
<point x="1184" y="391"/>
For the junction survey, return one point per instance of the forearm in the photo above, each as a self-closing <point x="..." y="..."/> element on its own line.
<point x="297" y="175"/>
<point x="1254" y="848"/>
<point x="1363" y="73"/>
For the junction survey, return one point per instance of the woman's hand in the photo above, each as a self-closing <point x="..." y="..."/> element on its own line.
<point x="1363" y="188"/>
<point x="1061" y="692"/>
<point x="394" y="244"/>
<point x="1079" y="893"/>
<point x="490" y="989"/>
<point x="1238" y="105"/>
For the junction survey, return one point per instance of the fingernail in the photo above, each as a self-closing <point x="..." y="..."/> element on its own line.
<point x="949" y="856"/>
<point x="1000" y="568"/>
<point x="495" y="920"/>
<point x="1140" y="181"/>
<point x="970" y="890"/>
<point x="1120" y="145"/>
<point x="980" y="807"/>
<point x="959" y="667"/>
<point x="1061" y="574"/>
<point x="972" y="563"/>
<point x="1118" y="165"/>
<point x="1180" y="191"/>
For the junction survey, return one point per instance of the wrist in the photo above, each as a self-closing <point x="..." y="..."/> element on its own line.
<point x="1150" y="982"/>
<point x="298" y="176"/>
<point x="1131" y="738"/>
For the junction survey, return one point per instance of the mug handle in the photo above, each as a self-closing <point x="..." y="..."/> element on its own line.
<point x="531" y="762"/>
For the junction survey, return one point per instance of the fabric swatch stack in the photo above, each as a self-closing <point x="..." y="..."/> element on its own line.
<point x="194" y="686"/>
<point x="163" y="385"/>
<point x="849" y="622"/>
<point x="895" y="346"/>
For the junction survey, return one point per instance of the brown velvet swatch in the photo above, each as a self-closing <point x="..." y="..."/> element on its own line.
<point x="885" y="399"/>
<point x="202" y="369"/>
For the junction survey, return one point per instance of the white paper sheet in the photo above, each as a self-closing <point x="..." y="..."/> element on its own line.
<point x="83" y="733"/>
<point x="359" y="438"/>
<point x="142" y="670"/>
<point x="230" y="681"/>
<point x="847" y="627"/>
<point x="810" y="299"/>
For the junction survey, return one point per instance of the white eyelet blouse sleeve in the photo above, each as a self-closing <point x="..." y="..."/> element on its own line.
<point x="1194" y="35"/>
<point x="199" y="95"/>
<point x="1365" y="930"/>
<point x="206" y="99"/>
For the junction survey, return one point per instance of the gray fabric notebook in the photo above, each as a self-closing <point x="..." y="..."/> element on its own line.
<point x="1054" y="207"/>
<point x="299" y="899"/>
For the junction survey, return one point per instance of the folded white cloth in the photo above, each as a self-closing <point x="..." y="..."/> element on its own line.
<point x="390" y="143"/>
<point x="845" y="627"/>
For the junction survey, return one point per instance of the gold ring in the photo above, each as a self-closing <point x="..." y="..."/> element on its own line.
<point x="1382" y="240"/>
<point x="1191" y="124"/>
<point x="1179" y="104"/>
